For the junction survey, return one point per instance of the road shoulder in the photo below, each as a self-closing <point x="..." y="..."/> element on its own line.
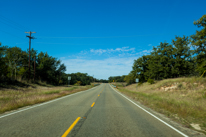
<point x="187" y="131"/>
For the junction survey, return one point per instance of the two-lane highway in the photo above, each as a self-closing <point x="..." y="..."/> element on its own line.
<point x="97" y="112"/>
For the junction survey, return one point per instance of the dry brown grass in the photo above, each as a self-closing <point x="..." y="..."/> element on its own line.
<point x="186" y="102"/>
<point x="19" y="97"/>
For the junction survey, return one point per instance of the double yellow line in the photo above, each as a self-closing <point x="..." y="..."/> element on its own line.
<point x="75" y="122"/>
<point x="70" y="128"/>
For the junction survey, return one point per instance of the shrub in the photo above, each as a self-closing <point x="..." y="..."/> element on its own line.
<point x="78" y="83"/>
<point x="139" y="83"/>
<point x="180" y="86"/>
<point x="52" y="92"/>
<point x="204" y="95"/>
<point x="151" y="81"/>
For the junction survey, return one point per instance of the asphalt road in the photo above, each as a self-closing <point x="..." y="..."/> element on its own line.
<point x="111" y="115"/>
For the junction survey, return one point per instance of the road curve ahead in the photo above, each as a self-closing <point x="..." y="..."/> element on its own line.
<point x="97" y="112"/>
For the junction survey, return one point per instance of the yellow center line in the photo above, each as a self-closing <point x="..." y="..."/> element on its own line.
<point x="92" y="104"/>
<point x="98" y="95"/>
<point x="70" y="128"/>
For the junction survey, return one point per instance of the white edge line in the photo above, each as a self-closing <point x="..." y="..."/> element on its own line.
<point x="151" y="113"/>
<point x="44" y="103"/>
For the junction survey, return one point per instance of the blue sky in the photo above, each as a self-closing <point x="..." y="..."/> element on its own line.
<point x="98" y="37"/>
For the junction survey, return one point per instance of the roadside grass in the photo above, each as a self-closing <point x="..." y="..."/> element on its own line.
<point x="119" y="84"/>
<point x="185" y="103"/>
<point x="52" y="92"/>
<point x="11" y="99"/>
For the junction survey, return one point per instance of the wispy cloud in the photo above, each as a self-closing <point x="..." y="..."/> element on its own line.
<point x="98" y="51"/>
<point x="101" y="69"/>
<point x="101" y="51"/>
<point x="117" y="61"/>
<point x="146" y="51"/>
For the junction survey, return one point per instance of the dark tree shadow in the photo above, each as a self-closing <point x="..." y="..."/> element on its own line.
<point x="11" y="84"/>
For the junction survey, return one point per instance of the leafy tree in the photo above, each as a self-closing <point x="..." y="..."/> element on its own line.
<point x="129" y="79"/>
<point x="199" y="42"/>
<point x="14" y="63"/>
<point x="183" y="65"/>
<point x="102" y="80"/>
<point x="13" y="59"/>
<point x="165" y="61"/>
<point x="165" y="51"/>
<point x="60" y="73"/>
<point x="154" y="65"/>
<point x="83" y="77"/>
<point x="3" y="66"/>
<point x="140" y="68"/>
<point x="48" y="68"/>
<point x="116" y="78"/>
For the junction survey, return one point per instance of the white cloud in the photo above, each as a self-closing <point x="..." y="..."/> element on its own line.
<point x="98" y="51"/>
<point x="146" y="51"/>
<point x="62" y="58"/>
<point x="125" y="49"/>
<point x="117" y="62"/>
<point x="108" y="51"/>
<point x="101" y="69"/>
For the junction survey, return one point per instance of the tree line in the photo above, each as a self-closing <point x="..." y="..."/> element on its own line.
<point x="14" y="67"/>
<point x="116" y="78"/>
<point x="84" y="79"/>
<point x="184" y="56"/>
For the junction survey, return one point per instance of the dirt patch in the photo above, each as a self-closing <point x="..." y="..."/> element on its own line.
<point x="196" y="126"/>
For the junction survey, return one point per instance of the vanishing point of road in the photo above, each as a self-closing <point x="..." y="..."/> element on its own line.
<point x="98" y="112"/>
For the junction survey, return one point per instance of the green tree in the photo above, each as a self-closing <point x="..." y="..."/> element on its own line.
<point x="3" y="65"/>
<point x="198" y="40"/>
<point x="13" y="59"/>
<point x="83" y="77"/>
<point x="154" y="65"/>
<point x="140" y="68"/>
<point x="49" y="68"/>
<point x="130" y="78"/>
<point x="116" y="78"/>
<point x="184" y="64"/>
<point x="165" y="51"/>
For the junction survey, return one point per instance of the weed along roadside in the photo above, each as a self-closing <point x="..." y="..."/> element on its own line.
<point x="11" y="99"/>
<point x="181" y="99"/>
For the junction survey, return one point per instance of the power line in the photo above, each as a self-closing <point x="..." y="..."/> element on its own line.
<point x="11" y="34"/>
<point x="12" y="26"/>
<point x="13" y="23"/>
<point x="146" y="35"/>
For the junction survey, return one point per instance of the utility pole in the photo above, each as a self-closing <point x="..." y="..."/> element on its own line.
<point x="34" y="67"/>
<point x="30" y="37"/>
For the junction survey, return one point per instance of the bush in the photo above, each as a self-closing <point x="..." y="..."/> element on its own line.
<point x="52" y="92"/>
<point x="139" y="83"/>
<point x="204" y="95"/>
<point x="151" y="81"/>
<point x="180" y="86"/>
<point x="78" y="83"/>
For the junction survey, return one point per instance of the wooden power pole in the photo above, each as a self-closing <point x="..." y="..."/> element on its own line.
<point x="30" y="37"/>
<point x="34" y="67"/>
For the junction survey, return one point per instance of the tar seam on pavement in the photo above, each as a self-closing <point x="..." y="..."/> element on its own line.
<point x="77" y="127"/>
